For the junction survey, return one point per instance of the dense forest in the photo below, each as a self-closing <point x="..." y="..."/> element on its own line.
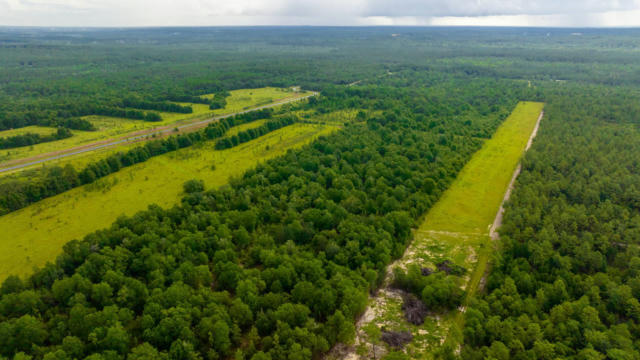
<point x="279" y="263"/>
<point x="566" y="283"/>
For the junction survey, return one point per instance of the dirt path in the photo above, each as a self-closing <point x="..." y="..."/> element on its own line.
<point x="137" y="136"/>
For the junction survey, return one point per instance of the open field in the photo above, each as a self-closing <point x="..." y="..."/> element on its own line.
<point x="36" y="234"/>
<point x="456" y="228"/>
<point x="109" y="127"/>
<point x="40" y="130"/>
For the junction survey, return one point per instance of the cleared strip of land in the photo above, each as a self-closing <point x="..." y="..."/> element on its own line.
<point x="138" y="136"/>
<point x="456" y="228"/>
<point x="34" y="235"/>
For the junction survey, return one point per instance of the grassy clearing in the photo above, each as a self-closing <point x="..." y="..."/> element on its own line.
<point x="334" y="117"/>
<point x="110" y="127"/>
<point x="472" y="201"/>
<point x="457" y="228"/>
<point x="40" y="130"/>
<point x="34" y="235"/>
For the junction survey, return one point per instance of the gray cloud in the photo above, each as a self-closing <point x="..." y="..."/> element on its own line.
<point x="436" y="8"/>
<point x="324" y="12"/>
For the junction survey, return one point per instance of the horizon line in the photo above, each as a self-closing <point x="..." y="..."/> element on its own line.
<point x="311" y="26"/>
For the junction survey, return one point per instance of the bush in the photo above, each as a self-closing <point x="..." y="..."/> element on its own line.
<point x="193" y="186"/>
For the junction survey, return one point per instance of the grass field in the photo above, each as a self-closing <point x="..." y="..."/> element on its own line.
<point x="34" y="235"/>
<point x="457" y="228"/>
<point x="110" y="127"/>
<point x="334" y="117"/>
<point x="40" y="130"/>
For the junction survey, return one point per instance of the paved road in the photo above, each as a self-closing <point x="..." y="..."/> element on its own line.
<point x="163" y="131"/>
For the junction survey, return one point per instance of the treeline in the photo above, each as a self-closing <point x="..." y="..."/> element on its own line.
<point x="33" y="138"/>
<point x="51" y="119"/>
<point x="124" y="113"/>
<point x="567" y="281"/>
<point x="156" y="105"/>
<point x="277" y="265"/>
<point x="75" y="124"/>
<point x="195" y="99"/>
<point x="250" y="134"/>
<point x="17" y="194"/>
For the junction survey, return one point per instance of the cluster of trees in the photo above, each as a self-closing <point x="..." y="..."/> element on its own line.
<point x="219" y="100"/>
<point x="123" y="113"/>
<point x="439" y="291"/>
<point x="156" y="105"/>
<point x="17" y="194"/>
<point x="567" y="282"/>
<point x="250" y="134"/>
<point x="277" y="265"/>
<point x="33" y="138"/>
<point x="51" y="119"/>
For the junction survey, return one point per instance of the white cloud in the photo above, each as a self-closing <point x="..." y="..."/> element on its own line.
<point x="314" y="12"/>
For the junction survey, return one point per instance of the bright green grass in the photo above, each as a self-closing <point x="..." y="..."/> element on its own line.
<point x="80" y="161"/>
<point x="471" y="203"/>
<point x="334" y="117"/>
<point x="40" y="130"/>
<point x="110" y="127"/>
<point x="457" y="228"/>
<point x="34" y="235"/>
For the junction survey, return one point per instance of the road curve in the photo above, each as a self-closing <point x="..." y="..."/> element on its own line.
<point x="162" y="131"/>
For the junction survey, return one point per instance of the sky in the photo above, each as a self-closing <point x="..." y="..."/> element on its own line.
<point x="119" y="13"/>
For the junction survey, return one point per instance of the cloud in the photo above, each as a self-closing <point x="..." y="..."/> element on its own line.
<point x="457" y="8"/>
<point x="314" y="12"/>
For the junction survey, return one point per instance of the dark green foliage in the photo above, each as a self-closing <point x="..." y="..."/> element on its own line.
<point x="219" y="100"/>
<point x="123" y="113"/>
<point x="566" y="284"/>
<point x="193" y="186"/>
<point x="438" y="291"/>
<point x="276" y="265"/>
<point x="248" y="135"/>
<point x="156" y="105"/>
<point x="75" y="124"/>
<point x="32" y="139"/>
<point x="152" y="116"/>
